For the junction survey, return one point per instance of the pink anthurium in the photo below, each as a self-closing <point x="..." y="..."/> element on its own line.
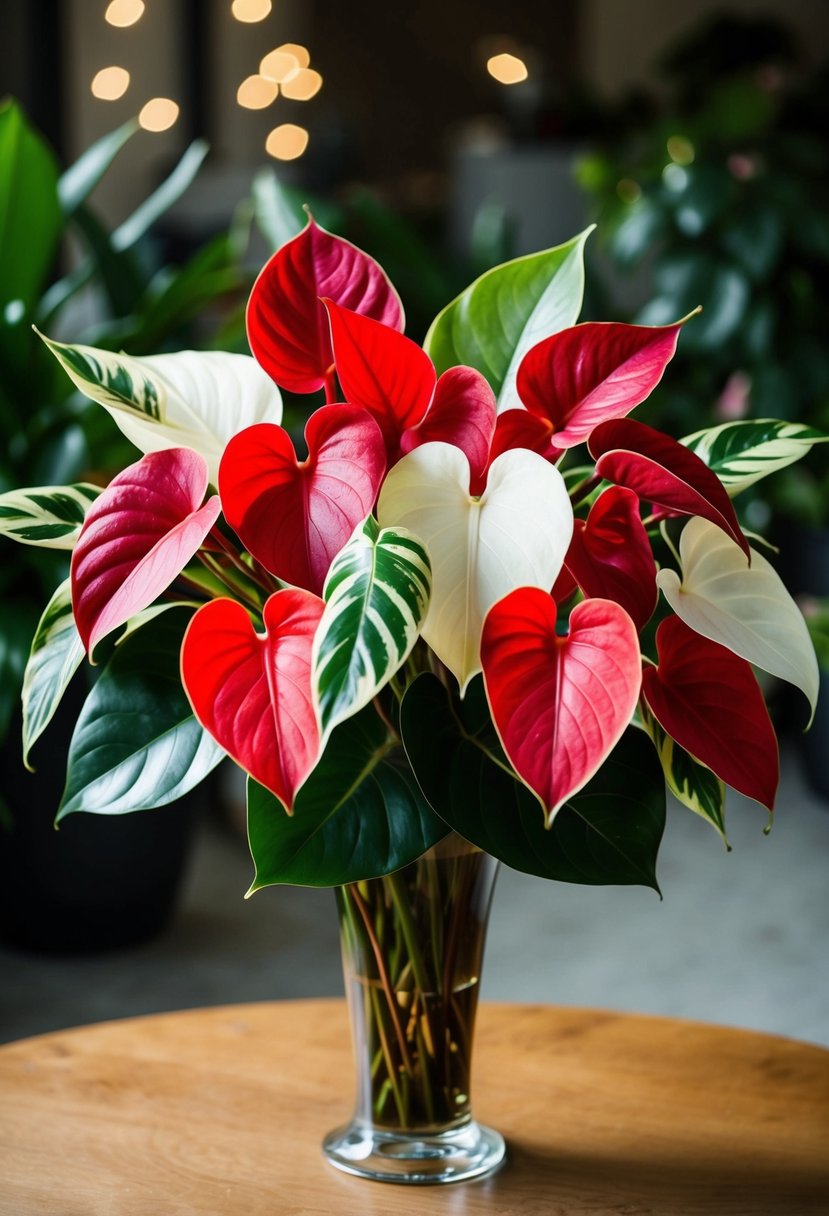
<point x="138" y="535"/>
<point x="590" y="373"/>
<point x="610" y="555"/>
<point x="252" y="691"/>
<point x="395" y="380"/>
<point x="708" y="700"/>
<point x="559" y="704"/>
<point x="663" y="472"/>
<point x="286" y="323"/>
<point x="294" y="516"/>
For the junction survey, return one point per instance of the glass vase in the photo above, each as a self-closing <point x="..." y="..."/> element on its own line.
<point x="412" y="947"/>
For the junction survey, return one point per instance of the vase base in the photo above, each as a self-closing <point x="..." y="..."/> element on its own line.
<point x="464" y="1152"/>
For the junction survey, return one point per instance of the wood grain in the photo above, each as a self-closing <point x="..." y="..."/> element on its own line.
<point x="221" y="1111"/>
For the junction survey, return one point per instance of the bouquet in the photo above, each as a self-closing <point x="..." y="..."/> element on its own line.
<point x="483" y="598"/>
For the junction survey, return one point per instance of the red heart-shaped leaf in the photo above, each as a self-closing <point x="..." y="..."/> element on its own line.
<point x="381" y="370"/>
<point x="286" y="322"/>
<point x="138" y="535"/>
<point x="519" y="429"/>
<point x="559" y="704"/>
<point x="663" y="472"/>
<point x="462" y="413"/>
<point x="610" y="555"/>
<point x="589" y="373"/>
<point x="251" y="691"/>
<point x="708" y="700"/>
<point x="295" y="516"/>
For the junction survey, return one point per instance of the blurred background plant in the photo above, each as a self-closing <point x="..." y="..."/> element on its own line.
<point x="716" y="192"/>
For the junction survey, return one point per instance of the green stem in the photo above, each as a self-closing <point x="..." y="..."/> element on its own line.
<point x="383" y="974"/>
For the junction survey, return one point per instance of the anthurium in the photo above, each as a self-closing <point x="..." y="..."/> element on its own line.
<point x="587" y="374"/>
<point x="559" y="704"/>
<point x="429" y="623"/>
<point x="286" y="322"/>
<point x="663" y="472"/>
<point x="252" y="691"/>
<point x="394" y="379"/>
<point x="515" y="534"/>
<point x="189" y="399"/>
<point x="137" y="538"/>
<point x="709" y="701"/>
<point x="610" y="555"/>
<point x="294" y="515"/>
<point x="744" y="607"/>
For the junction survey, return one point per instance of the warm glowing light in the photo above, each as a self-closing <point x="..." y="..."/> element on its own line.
<point x="507" y="69"/>
<point x="124" y="12"/>
<point x="256" y="92"/>
<point x="300" y="53"/>
<point x="158" y="114"/>
<point x="680" y="150"/>
<point x="287" y="141"/>
<point x="250" y="10"/>
<point x="279" y="66"/>
<point x="110" y="83"/>
<point x="303" y="85"/>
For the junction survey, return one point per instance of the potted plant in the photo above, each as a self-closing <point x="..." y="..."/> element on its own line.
<point x="484" y="616"/>
<point x="77" y="889"/>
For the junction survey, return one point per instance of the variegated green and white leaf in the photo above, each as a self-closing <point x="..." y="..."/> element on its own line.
<point x="741" y="453"/>
<point x="56" y="654"/>
<point x="746" y="608"/>
<point x="48" y="516"/>
<point x="692" y="783"/>
<point x="377" y="593"/>
<point x="193" y="399"/>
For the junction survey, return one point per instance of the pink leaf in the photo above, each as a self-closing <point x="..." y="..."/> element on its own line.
<point x="286" y="322"/>
<point x="382" y="371"/>
<point x="559" y="704"/>
<point x="463" y="413"/>
<point x="708" y="700"/>
<point x="252" y="691"/>
<point x="137" y="538"/>
<point x="295" y="516"/>
<point x="663" y="472"/>
<point x="610" y="555"/>
<point x="589" y="373"/>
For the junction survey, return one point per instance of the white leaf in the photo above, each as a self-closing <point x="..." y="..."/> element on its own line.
<point x="193" y="399"/>
<point x="746" y="608"/>
<point x="515" y="535"/>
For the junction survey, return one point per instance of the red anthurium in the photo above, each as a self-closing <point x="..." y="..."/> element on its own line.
<point x="295" y="516"/>
<point x="559" y="704"/>
<point x="252" y="691"/>
<point x="708" y="700"/>
<point x="589" y="373"/>
<point x="287" y="326"/>
<point x="137" y="537"/>
<point x="663" y="472"/>
<point x="395" y="380"/>
<point x="462" y="412"/>
<point x="521" y="429"/>
<point x="610" y="555"/>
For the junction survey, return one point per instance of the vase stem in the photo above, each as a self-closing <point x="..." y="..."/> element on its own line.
<point x="412" y="945"/>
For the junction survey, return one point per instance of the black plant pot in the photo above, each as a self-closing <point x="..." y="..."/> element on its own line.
<point x="99" y="881"/>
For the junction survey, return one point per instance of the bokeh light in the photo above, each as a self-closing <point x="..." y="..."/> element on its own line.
<point x="256" y="92"/>
<point x="286" y="142"/>
<point x="279" y="66"/>
<point x="302" y="85"/>
<point x="110" y="83"/>
<point x="251" y="11"/>
<point x="124" y="12"/>
<point x="159" y="114"/>
<point x="506" y="68"/>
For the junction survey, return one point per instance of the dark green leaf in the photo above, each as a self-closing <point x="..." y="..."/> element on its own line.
<point x="136" y="743"/>
<point x="30" y="218"/>
<point x="607" y="833"/>
<point x="359" y="815"/>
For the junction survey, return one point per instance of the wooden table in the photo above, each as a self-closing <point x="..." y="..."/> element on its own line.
<point x="221" y="1111"/>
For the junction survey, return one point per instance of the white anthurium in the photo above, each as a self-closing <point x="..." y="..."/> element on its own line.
<point x="515" y="535"/>
<point x="193" y="399"/>
<point x="746" y="608"/>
